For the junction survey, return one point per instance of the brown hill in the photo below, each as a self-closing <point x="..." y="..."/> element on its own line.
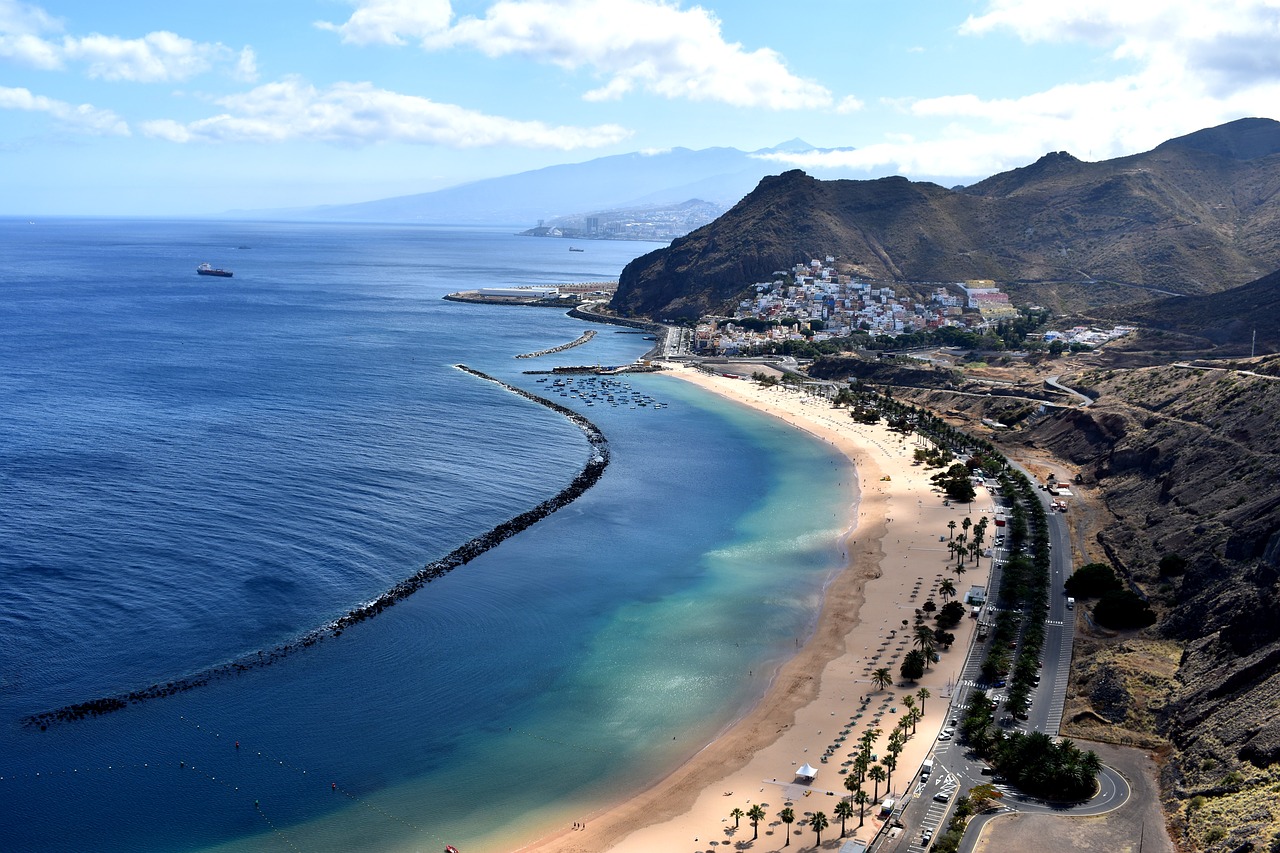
<point x="1178" y="460"/>
<point x="1197" y="214"/>
<point x="1185" y="461"/>
<point x="1226" y="321"/>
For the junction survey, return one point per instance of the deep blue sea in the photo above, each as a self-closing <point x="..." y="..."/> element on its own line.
<point x="193" y="469"/>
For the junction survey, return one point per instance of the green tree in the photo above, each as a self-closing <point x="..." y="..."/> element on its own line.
<point x="1092" y="580"/>
<point x="1123" y="610"/>
<point x="844" y="811"/>
<point x="756" y="814"/>
<point x="947" y="590"/>
<point x="876" y="774"/>
<point x="951" y="525"/>
<point x="736" y="814"/>
<point x="860" y="797"/>
<point x="950" y="615"/>
<point x="912" y="667"/>
<point x="788" y="817"/>
<point x="819" y="822"/>
<point x="882" y="678"/>
<point x="923" y="694"/>
<point x="851" y="782"/>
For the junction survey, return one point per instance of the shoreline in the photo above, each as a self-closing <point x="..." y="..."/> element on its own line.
<point x="823" y="695"/>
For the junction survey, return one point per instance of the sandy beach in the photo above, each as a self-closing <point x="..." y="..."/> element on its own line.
<point x="823" y="699"/>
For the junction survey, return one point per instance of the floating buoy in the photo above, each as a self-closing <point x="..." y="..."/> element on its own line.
<point x="333" y="785"/>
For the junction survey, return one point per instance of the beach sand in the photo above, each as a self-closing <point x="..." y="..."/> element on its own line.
<point x="823" y="699"/>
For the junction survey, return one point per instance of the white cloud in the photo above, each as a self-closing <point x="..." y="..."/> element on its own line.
<point x="157" y="57"/>
<point x="360" y="114"/>
<point x="392" y="21"/>
<point x="653" y="46"/>
<point x="247" y="66"/>
<point x="849" y="104"/>
<point x="18" y="17"/>
<point x="1236" y="42"/>
<point x="1179" y="66"/>
<point x="83" y="118"/>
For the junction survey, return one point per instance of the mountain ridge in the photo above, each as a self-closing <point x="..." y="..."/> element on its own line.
<point x="1197" y="214"/>
<point x="720" y="175"/>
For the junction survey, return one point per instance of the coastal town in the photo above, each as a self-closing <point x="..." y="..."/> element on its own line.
<point x="813" y="302"/>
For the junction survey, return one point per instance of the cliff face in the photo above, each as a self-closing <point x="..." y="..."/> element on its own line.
<point x="1198" y="214"/>
<point x="1186" y="462"/>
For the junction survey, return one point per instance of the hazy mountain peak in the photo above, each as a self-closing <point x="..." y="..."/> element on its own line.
<point x="791" y="146"/>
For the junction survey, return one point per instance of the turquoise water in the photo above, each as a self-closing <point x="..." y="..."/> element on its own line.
<point x="194" y="470"/>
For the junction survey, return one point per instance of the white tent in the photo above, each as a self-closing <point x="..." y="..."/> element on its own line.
<point x="807" y="772"/>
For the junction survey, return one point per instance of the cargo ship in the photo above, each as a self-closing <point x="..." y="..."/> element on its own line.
<point x="205" y="269"/>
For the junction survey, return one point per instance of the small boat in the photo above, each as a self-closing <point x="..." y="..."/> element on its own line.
<point x="205" y="269"/>
<point x="449" y="848"/>
<point x="576" y="249"/>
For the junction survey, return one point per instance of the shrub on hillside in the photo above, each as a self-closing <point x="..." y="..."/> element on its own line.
<point x="1092" y="580"/>
<point x="1123" y="609"/>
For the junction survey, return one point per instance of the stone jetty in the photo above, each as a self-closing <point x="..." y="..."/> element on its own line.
<point x="597" y="461"/>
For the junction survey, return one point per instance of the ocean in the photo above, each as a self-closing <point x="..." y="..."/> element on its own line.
<point x="195" y="469"/>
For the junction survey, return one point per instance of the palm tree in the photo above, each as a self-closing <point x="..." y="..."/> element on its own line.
<point x="951" y="525"/>
<point x="788" y="817"/>
<point x="819" y="822"/>
<point x="890" y="762"/>
<point x="882" y="678"/>
<point x="909" y="702"/>
<point x="876" y="774"/>
<point x="844" y="811"/>
<point x="923" y="639"/>
<point x="860" y="797"/>
<point x="967" y="523"/>
<point x="736" y="814"/>
<point x="756" y="813"/>
<point x="923" y="694"/>
<point x="946" y="589"/>
<point x="851" y="782"/>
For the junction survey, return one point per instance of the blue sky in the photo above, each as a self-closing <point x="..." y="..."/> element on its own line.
<point x="162" y="108"/>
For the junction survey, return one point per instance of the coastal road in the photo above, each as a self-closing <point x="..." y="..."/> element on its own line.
<point x="926" y="805"/>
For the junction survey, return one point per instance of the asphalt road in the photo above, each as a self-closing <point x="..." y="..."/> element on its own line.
<point x="928" y="802"/>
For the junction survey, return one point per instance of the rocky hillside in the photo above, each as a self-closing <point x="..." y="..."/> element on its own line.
<point x="1197" y="214"/>
<point x="1227" y="321"/>
<point x="1186" y="461"/>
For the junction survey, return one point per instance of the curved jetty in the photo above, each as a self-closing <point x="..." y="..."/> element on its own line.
<point x="577" y="342"/>
<point x="597" y="461"/>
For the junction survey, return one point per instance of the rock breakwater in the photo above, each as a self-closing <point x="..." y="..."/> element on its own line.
<point x="460" y="556"/>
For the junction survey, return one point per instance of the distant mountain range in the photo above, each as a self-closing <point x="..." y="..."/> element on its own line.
<point x="1198" y="214"/>
<point x="721" y="176"/>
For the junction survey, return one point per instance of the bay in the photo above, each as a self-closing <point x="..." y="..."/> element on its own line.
<point x="193" y="469"/>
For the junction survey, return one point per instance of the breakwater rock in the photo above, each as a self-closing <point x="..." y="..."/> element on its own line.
<point x="576" y="342"/>
<point x="460" y="556"/>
